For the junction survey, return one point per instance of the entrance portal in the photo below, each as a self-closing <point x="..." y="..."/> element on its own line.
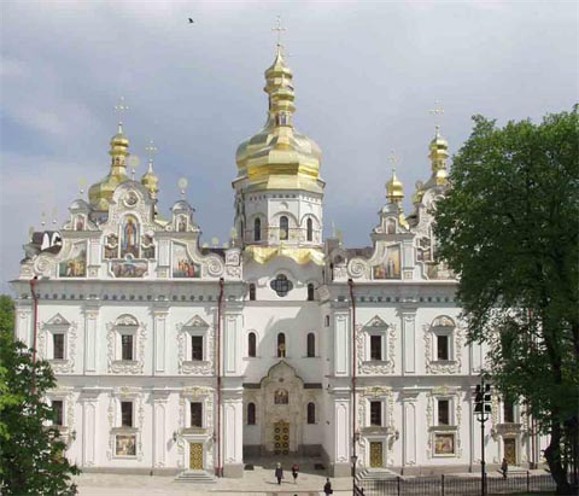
<point x="375" y="454"/>
<point x="196" y="456"/>
<point x="281" y="438"/>
<point x="510" y="448"/>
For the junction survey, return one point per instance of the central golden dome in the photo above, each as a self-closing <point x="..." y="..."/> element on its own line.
<point x="279" y="157"/>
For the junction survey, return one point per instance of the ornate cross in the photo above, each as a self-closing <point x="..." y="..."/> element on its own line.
<point x="279" y="29"/>
<point x="394" y="160"/>
<point x="151" y="150"/>
<point x="437" y="112"/>
<point x="121" y="108"/>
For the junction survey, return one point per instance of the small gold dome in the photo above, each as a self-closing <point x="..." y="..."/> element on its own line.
<point x="438" y="156"/>
<point x="101" y="193"/>
<point x="394" y="189"/>
<point x="151" y="181"/>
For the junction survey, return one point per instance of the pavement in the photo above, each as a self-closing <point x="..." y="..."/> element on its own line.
<point x="257" y="482"/>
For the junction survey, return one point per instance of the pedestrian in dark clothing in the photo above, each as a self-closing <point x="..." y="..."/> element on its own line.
<point x="279" y="473"/>
<point x="504" y="468"/>
<point x="295" y="470"/>
<point x="328" y="487"/>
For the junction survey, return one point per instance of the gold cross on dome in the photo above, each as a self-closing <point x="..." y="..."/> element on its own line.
<point x="437" y="112"/>
<point x="151" y="150"/>
<point x="393" y="159"/>
<point x="121" y="108"/>
<point x="278" y="27"/>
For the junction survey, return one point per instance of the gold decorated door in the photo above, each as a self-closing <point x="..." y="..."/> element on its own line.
<point x="375" y="454"/>
<point x="196" y="456"/>
<point x="510" y="447"/>
<point x="281" y="433"/>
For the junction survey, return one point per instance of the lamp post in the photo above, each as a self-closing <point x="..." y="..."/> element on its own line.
<point x="482" y="410"/>
<point x="354" y="459"/>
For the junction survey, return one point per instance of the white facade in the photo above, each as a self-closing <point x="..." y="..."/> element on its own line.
<point x="172" y="357"/>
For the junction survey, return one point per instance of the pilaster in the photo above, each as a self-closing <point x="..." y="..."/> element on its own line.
<point x="409" y="400"/>
<point x="89" y="401"/>
<point x="91" y="317"/>
<point x="160" y="312"/>
<point x="408" y="317"/>
<point x="232" y="433"/>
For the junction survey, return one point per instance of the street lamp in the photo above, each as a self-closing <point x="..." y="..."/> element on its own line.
<point x="482" y="410"/>
<point x="354" y="459"/>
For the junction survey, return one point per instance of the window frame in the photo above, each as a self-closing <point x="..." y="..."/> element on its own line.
<point x="311" y="413"/>
<point x="124" y="403"/>
<point x="280" y="340"/>
<point x="257" y="229"/>
<point x="132" y="347"/>
<point x="61" y="416"/>
<point x="284" y="228"/>
<point x="252" y="291"/>
<point x="251" y="414"/>
<point x="252" y="346"/>
<point x="376" y="407"/>
<point x="311" y="345"/>
<point x="311" y="295"/>
<point x="55" y="335"/>
<point x="309" y="229"/>
<point x="200" y="347"/>
<point x="200" y="414"/>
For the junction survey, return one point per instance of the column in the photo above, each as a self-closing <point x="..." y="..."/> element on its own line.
<point x="342" y="434"/>
<point x="231" y="342"/>
<point x="89" y="401"/>
<point x="342" y="342"/>
<point x="159" y="337"/>
<point x="408" y="341"/>
<point x="160" y="434"/>
<point x="408" y="429"/>
<point x="91" y="313"/>
<point x="232" y="429"/>
<point x="24" y="327"/>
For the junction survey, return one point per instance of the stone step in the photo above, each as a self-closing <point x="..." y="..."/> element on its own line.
<point x="196" y="477"/>
<point x="376" y="474"/>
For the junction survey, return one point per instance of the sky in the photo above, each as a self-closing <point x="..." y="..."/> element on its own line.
<point x="366" y="75"/>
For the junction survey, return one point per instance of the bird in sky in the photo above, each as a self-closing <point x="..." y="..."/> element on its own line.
<point x="191" y="21"/>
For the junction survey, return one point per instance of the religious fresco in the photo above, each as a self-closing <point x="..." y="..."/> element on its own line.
<point x="129" y="268"/>
<point x="130" y="237"/>
<point x="182" y="223"/>
<point x="79" y="223"/>
<point x="147" y="246"/>
<point x="126" y="445"/>
<point x="444" y="444"/>
<point x="75" y="266"/>
<point x="183" y="266"/>
<point x="391" y="268"/>
<point x="111" y="246"/>
<point x="281" y="397"/>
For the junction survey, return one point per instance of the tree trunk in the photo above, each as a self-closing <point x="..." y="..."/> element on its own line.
<point x="555" y="461"/>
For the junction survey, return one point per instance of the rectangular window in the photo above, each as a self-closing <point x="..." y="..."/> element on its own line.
<point x="508" y="412"/>
<point x="58" y="346"/>
<point x="196" y="414"/>
<point x="196" y="347"/>
<point x="57" y="412"/>
<point x="443" y="412"/>
<point x="375" y="347"/>
<point x="126" y="413"/>
<point x="127" y="347"/>
<point x="376" y="413"/>
<point x="442" y="347"/>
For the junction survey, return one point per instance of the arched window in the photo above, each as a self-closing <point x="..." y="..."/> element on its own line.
<point x="252" y="292"/>
<point x="309" y="229"/>
<point x="281" y="345"/>
<point x="251" y="344"/>
<point x="311" y="413"/>
<point x="311" y="345"/>
<point x="310" y="292"/>
<point x="251" y="414"/>
<point x="257" y="229"/>
<point x="327" y="321"/>
<point x="283" y="228"/>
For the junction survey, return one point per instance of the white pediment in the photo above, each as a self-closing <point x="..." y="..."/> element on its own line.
<point x="58" y="321"/>
<point x="196" y="322"/>
<point x="376" y="323"/>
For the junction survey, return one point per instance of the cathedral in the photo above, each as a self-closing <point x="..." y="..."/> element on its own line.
<point x="172" y="356"/>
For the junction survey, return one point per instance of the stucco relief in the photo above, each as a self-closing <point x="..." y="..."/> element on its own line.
<point x="432" y="366"/>
<point x="195" y="326"/>
<point x="368" y="367"/>
<point x="454" y="395"/>
<point x="58" y="324"/>
<point x="114" y="364"/>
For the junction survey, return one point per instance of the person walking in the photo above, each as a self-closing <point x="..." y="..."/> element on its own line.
<point x="504" y="468"/>
<point x="279" y="473"/>
<point x="328" y="487"/>
<point x="295" y="470"/>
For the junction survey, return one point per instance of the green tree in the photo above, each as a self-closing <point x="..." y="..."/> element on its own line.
<point x="509" y="229"/>
<point x="32" y="460"/>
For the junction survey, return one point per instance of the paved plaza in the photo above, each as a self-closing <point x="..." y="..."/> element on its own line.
<point x="257" y="482"/>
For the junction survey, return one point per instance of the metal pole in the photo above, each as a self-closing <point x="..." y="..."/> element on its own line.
<point x="482" y="447"/>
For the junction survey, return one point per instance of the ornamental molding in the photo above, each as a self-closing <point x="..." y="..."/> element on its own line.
<point x="368" y="367"/>
<point x="58" y="324"/>
<point x="195" y="326"/>
<point x="447" y="366"/>
<point x="119" y="394"/>
<point x="116" y="366"/>
<point x="448" y="393"/>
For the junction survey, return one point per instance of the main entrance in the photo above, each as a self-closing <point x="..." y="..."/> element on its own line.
<point x="281" y="431"/>
<point x="375" y="454"/>
<point x="196" y="456"/>
<point x="510" y="448"/>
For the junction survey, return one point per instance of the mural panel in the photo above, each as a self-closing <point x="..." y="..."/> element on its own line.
<point x="183" y="266"/>
<point x="130" y="237"/>
<point x="126" y="445"/>
<point x="75" y="266"/>
<point x="390" y="269"/>
<point x="444" y="444"/>
<point x="129" y="268"/>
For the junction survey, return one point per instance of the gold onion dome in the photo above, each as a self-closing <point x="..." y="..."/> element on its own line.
<point x="151" y="181"/>
<point x="278" y="156"/>
<point x="101" y="193"/>
<point x="438" y="156"/>
<point x="394" y="189"/>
